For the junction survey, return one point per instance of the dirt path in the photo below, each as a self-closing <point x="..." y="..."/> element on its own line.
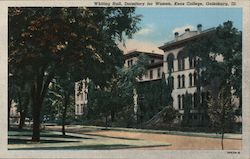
<point x="178" y="142"/>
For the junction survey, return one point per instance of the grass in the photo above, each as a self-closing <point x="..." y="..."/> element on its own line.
<point x="89" y="147"/>
<point x="28" y="141"/>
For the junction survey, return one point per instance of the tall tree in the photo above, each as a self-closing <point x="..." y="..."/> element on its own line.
<point x="44" y="40"/>
<point x="63" y="91"/>
<point x="118" y="95"/>
<point x="221" y="112"/>
<point x="219" y="59"/>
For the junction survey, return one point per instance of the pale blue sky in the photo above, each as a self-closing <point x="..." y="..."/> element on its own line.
<point x="158" y="24"/>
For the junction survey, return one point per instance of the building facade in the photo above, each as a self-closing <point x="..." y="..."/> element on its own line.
<point x="155" y="68"/>
<point x="154" y="72"/>
<point x="81" y="97"/>
<point x="180" y="72"/>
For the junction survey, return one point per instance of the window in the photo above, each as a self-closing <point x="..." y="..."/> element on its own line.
<point x="170" y="61"/>
<point x="130" y="63"/>
<point x="151" y="74"/>
<point x="183" y="101"/>
<point x="190" y="80"/>
<point x="179" y="81"/>
<point x="179" y="65"/>
<point x="152" y="61"/>
<point x="181" y="61"/>
<point x="77" y="112"/>
<point x="146" y="74"/>
<point x="190" y="62"/>
<point x="183" y="81"/>
<point x="81" y="109"/>
<point x="159" y="72"/>
<point x="194" y="63"/>
<point x="179" y="101"/>
<point x="171" y="82"/>
<point x="195" y="79"/>
<point x="86" y="95"/>
<point x="183" y="64"/>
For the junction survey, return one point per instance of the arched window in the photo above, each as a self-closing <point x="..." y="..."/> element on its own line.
<point x="171" y="82"/>
<point x="195" y="79"/>
<point x="190" y="62"/>
<point x="179" y="64"/>
<point x="179" y="81"/>
<point x="183" y="81"/>
<point x="194" y="62"/>
<point x="170" y="61"/>
<point x="191" y="100"/>
<point x="179" y="101"/>
<point x="183" y="101"/>
<point x="190" y="80"/>
<point x="181" y="61"/>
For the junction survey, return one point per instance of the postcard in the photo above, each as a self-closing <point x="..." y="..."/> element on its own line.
<point x="125" y="79"/>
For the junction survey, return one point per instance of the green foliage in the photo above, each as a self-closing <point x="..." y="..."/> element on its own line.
<point x="117" y="97"/>
<point x="155" y="95"/>
<point x="45" y="42"/>
<point x="170" y="115"/>
<point x="221" y="111"/>
<point x="225" y="42"/>
<point x="187" y="107"/>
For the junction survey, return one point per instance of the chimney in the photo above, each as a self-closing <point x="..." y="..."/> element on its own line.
<point x="199" y="28"/>
<point x="176" y="34"/>
<point x="187" y="30"/>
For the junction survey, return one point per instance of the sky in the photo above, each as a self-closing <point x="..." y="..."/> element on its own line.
<point x="159" y="24"/>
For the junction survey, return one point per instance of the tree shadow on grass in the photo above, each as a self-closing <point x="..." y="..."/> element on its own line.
<point x="52" y="135"/>
<point x="91" y="147"/>
<point x="28" y="141"/>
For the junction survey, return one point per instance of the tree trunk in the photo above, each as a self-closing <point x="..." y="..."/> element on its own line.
<point x="38" y="93"/>
<point x="63" y="128"/>
<point x="20" y="103"/>
<point x="9" y="106"/>
<point x="112" y="114"/>
<point x="65" y="107"/>
<point x="106" y="121"/>
<point x="36" y="121"/>
<point x="222" y="138"/>
<point x="22" y="120"/>
<point x="23" y="113"/>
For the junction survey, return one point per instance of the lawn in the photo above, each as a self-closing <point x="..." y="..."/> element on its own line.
<point x="52" y="140"/>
